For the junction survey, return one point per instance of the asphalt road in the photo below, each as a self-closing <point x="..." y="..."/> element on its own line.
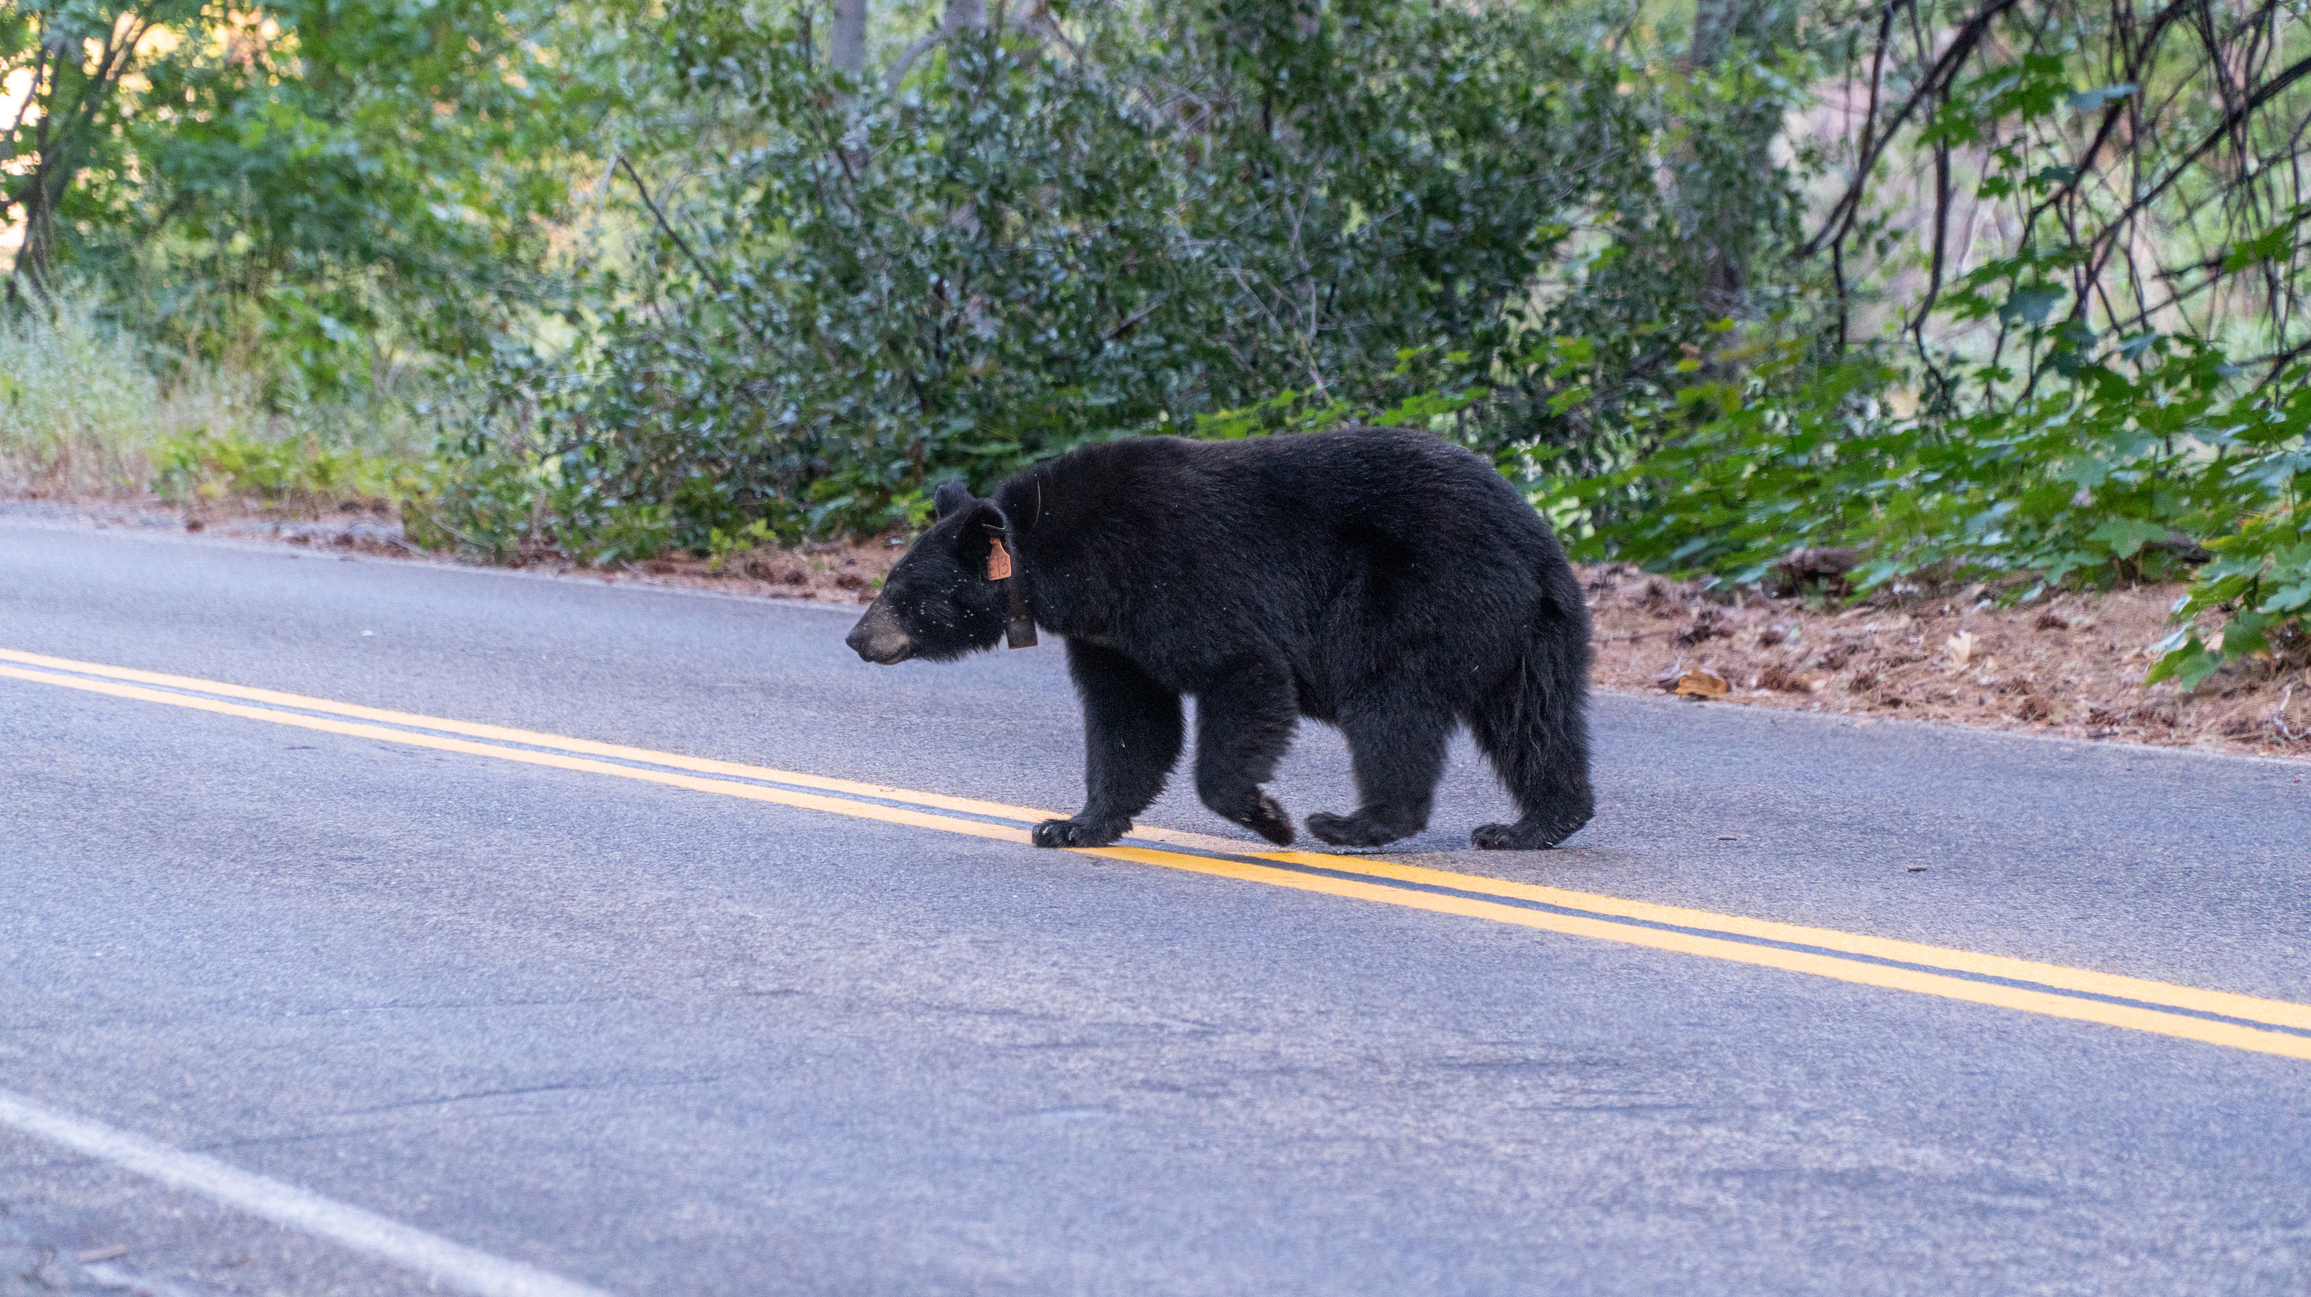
<point x="653" y="1040"/>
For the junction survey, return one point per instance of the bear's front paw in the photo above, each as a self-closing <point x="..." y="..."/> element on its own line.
<point x="1078" y="833"/>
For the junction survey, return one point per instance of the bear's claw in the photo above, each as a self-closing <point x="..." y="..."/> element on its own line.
<point x="1078" y="833"/>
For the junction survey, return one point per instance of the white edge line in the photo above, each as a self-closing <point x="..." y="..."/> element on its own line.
<point x="451" y="1265"/>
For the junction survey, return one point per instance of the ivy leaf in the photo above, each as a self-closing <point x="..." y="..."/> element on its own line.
<point x="2127" y="536"/>
<point x="2187" y="664"/>
<point x="2243" y="636"/>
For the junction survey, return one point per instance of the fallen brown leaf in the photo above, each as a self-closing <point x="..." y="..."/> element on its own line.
<point x="1700" y="683"/>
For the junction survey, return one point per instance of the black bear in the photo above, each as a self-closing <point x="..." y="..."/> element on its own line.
<point x="1376" y="579"/>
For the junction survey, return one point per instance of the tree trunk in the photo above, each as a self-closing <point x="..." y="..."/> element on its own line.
<point x="1714" y="23"/>
<point x="850" y="38"/>
<point x="1720" y="221"/>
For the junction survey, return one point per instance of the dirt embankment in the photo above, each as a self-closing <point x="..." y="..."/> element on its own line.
<point x="2071" y="664"/>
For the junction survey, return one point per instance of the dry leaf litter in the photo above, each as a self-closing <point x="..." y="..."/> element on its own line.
<point x="2071" y="664"/>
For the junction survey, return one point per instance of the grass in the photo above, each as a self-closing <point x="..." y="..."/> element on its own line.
<point x="88" y="412"/>
<point x="79" y="406"/>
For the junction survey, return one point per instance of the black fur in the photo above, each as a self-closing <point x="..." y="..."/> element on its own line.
<point x="1379" y="580"/>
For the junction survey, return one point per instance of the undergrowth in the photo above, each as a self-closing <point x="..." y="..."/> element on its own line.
<point x="203" y="467"/>
<point x="2139" y="466"/>
<point x="88" y="409"/>
<point x="78" y="405"/>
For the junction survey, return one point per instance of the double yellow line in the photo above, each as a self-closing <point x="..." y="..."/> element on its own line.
<point x="2215" y="1017"/>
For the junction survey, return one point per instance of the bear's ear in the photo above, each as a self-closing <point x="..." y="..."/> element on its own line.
<point x="975" y="542"/>
<point x="950" y="497"/>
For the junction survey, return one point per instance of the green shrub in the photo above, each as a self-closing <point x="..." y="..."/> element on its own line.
<point x="206" y="466"/>
<point x="484" y="509"/>
<point x="2131" y="470"/>
<point x="2259" y="583"/>
<point x="833" y="295"/>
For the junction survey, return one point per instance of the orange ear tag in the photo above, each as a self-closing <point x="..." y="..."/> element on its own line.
<point x="998" y="562"/>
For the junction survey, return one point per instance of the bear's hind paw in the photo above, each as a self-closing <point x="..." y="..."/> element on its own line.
<point x="1079" y="832"/>
<point x="1357" y="830"/>
<point x="1524" y="835"/>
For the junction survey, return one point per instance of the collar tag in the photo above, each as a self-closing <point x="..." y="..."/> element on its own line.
<point x="1020" y="632"/>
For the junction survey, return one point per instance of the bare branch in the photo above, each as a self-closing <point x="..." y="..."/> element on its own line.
<point x="663" y="224"/>
<point x="1936" y="81"/>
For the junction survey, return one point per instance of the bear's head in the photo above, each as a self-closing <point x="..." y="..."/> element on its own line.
<point x="939" y="603"/>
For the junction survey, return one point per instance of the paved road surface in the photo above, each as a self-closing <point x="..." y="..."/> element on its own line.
<point x="605" y="1032"/>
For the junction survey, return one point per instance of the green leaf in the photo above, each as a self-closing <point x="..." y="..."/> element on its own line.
<point x="2127" y="536"/>
<point x="2274" y="244"/>
<point x="2289" y="598"/>
<point x="2243" y="635"/>
<point x="2187" y="665"/>
<point x="2032" y="305"/>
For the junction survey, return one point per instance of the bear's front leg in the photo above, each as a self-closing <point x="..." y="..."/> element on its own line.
<point x="1243" y="726"/>
<point x="1131" y="739"/>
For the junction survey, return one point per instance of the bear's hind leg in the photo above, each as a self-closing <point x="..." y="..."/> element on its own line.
<point x="1398" y="753"/>
<point x="1242" y="729"/>
<point x="1534" y="727"/>
<point x="1131" y="739"/>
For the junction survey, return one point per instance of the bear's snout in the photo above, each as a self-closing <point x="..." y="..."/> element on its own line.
<point x="879" y="638"/>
